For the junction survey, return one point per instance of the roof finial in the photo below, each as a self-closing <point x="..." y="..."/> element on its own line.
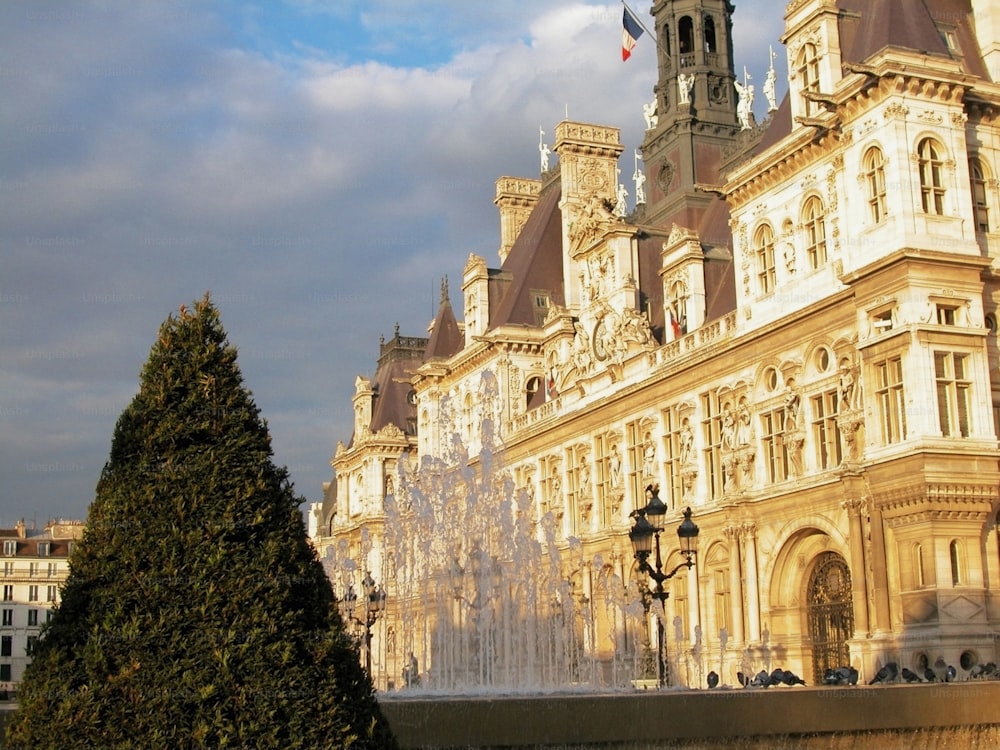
<point x="397" y="329"/>
<point x="444" y="290"/>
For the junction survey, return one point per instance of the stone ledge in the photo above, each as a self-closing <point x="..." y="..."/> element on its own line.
<point x="634" y="720"/>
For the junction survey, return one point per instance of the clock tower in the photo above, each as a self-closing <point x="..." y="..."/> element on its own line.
<point x="695" y="122"/>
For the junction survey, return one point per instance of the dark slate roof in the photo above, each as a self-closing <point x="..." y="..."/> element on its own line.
<point x="533" y="263"/>
<point x="446" y="337"/>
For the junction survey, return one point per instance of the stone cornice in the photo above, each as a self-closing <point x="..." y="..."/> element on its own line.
<point x="937" y="502"/>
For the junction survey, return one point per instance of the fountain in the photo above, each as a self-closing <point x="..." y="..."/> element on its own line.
<point x="484" y="595"/>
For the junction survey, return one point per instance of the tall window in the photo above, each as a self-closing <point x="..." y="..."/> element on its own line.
<point x="929" y="163"/>
<point x="8" y="593"/>
<point x="763" y="244"/>
<point x="602" y="480"/>
<point x="685" y="33"/>
<point x="8" y="617"/>
<point x="33" y="593"/>
<point x="634" y="432"/>
<point x="980" y="211"/>
<point x="710" y="42"/>
<point x="772" y="441"/>
<point x="814" y="218"/>
<point x="32" y="617"/>
<point x="826" y="435"/>
<point x="711" y="426"/>
<point x="889" y="397"/>
<point x="674" y="488"/>
<point x="874" y="176"/>
<point x="953" y="554"/>
<point x="6" y="645"/>
<point x="723" y="609"/>
<point x="953" y="392"/>
<point x="807" y="68"/>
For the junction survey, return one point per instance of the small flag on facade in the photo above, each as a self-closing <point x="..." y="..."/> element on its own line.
<point x="631" y="32"/>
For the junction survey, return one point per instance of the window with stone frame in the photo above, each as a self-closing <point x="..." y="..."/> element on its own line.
<point x="980" y="204"/>
<point x="825" y="432"/>
<point x="814" y="221"/>
<point x="711" y="427"/>
<point x="602" y="478"/>
<point x="723" y="599"/>
<point x="763" y="251"/>
<point x="772" y="422"/>
<point x="930" y="166"/>
<point x="679" y="596"/>
<point x="807" y="69"/>
<point x="673" y="490"/>
<point x="954" y="392"/>
<point x="634" y="437"/>
<point x="875" y="184"/>
<point x="677" y="299"/>
<point x="890" y="399"/>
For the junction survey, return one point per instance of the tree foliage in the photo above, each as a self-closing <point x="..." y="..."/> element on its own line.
<point x="196" y="613"/>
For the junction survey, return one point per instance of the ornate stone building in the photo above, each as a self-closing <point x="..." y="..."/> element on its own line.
<point x="795" y="336"/>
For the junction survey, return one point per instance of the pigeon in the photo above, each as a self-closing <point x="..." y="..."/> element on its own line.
<point x="841" y="676"/>
<point x="742" y="679"/>
<point x="909" y="676"/>
<point x="713" y="680"/>
<point x="976" y="672"/>
<point x="790" y="678"/>
<point x="950" y="674"/>
<point x="776" y="677"/>
<point x="940" y="669"/>
<point x="929" y="675"/>
<point x="760" y="680"/>
<point x="888" y="673"/>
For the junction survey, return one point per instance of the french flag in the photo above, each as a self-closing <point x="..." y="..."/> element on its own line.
<point x="631" y="32"/>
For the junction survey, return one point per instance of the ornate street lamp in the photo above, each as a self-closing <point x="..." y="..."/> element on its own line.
<point x="375" y="597"/>
<point x="645" y="531"/>
<point x="375" y="601"/>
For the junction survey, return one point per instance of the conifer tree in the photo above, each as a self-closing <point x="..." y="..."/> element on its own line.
<point x="196" y="614"/>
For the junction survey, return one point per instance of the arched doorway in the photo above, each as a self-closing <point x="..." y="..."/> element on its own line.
<point x="830" y="612"/>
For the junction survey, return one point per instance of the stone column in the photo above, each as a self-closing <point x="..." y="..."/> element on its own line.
<point x="753" y="595"/>
<point x="859" y="588"/>
<point x="880" y="579"/>
<point x="735" y="584"/>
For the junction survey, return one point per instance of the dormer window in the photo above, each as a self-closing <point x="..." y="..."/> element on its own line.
<point x="930" y="164"/>
<point x="807" y="68"/>
<point x="9" y="547"/>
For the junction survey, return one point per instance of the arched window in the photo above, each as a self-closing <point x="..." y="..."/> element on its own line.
<point x="980" y="211"/>
<point x="874" y="176"/>
<point x="953" y="553"/>
<point x="685" y="34"/>
<point x="666" y="40"/>
<point x="807" y="68"/>
<point x="710" y="43"/>
<point x="677" y="300"/>
<point x="763" y="244"/>
<point x="930" y="163"/>
<point x="814" y="219"/>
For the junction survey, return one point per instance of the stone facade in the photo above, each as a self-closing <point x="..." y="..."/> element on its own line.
<point x="797" y="338"/>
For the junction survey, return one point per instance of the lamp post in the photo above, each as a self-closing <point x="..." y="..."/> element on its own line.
<point x="645" y="531"/>
<point x="375" y="597"/>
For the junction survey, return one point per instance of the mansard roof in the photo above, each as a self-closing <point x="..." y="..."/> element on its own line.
<point x="398" y="360"/>
<point x="534" y="263"/>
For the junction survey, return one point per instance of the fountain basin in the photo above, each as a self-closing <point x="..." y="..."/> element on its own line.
<point x="939" y="715"/>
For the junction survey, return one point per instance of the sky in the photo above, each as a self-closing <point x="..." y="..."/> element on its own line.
<point x="318" y="166"/>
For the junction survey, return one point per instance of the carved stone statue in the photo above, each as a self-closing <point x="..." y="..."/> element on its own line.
<point x="649" y="112"/>
<point x="685" y="84"/>
<point x="744" y="108"/>
<point x="621" y="207"/>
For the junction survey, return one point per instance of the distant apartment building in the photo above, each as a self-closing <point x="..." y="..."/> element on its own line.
<point x="35" y="565"/>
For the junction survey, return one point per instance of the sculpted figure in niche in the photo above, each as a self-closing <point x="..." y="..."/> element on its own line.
<point x="635" y="327"/>
<point x="728" y="429"/>
<point x="845" y="388"/>
<point x="686" y="442"/>
<point x="615" y="466"/>
<point x="743" y="424"/>
<point x="648" y="456"/>
<point x="792" y="403"/>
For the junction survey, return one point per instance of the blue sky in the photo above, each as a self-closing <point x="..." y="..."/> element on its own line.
<point x="318" y="165"/>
